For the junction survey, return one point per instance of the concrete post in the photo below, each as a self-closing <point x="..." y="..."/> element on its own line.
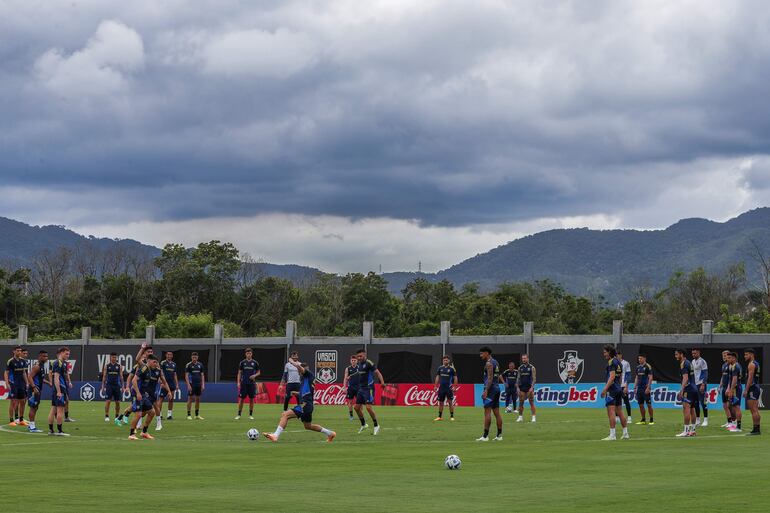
<point x="617" y="332"/>
<point x="368" y="332"/>
<point x="291" y="335"/>
<point x="149" y="334"/>
<point x="446" y="329"/>
<point x="85" y="335"/>
<point x="219" y="335"/>
<point x="23" y="334"/>
<point x="708" y="331"/>
<point x="529" y="334"/>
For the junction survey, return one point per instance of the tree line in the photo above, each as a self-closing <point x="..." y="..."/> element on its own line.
<point x="185" y="291"/>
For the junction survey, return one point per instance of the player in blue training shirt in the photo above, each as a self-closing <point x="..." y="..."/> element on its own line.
<point x="16" y="378"/>
<point x="304" y="411"/>
<point x="735" y="391"/>
<point x="491" y="394"/>
<point x="642" y="388"/>
<point x="112" y="386"/>
<point x="367" y="371"/>
<point x="146" y="383"/>
<point x="248" y="371"/>
<point x="59" y="380"/>
<point x="613" y="392"/>
<point x="724" y="385"/>
<point x="168" y="367"/>
<point x="753" y="391"/>
<point x="350" y="383"/>
<point x="38" y="377"/>
<point x="510" y="378"/>
<point x="446" y="376"/>
<point x="196" y="384"/>
<point x="133" y="406"/>
<point x="526" y="385"/>
<point x="688" y="394"/>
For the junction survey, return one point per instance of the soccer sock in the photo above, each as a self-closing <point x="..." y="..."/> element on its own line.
<point x="486" y="433"/>
<point x="756" y="428"/>
<point x="50" y="427"/>
<point x="197" y="412"/>
<point x="144" y="429"/>
<point x="240" y="410"/>
<point x="651" y="420"/>
<point x="738" y="424"/>
<point x="500" y="432"/>
<point x="612" y="432"/>
<point x="705" y="411"/>
<point x="170" y="413"/>
<point x="188" y="413"/>
<point x="120" y="417"/>
<point x="59" y="426"/>
<point x="440" y="413"/>
<point x="374" y="421"/>
<point x="66" y="414"/>
<point x="278" y="431"/>
<point x="625" y="430"/>
<point x="21" y="419"/>
<point x="32" y="424"/>
<point x="363" y="420"/>
<point x="325" y="431"/>
<point x="251" y="409"/>
<point x="286" y="402"/>
<point x="133" y="431"/>
<point x="452" y="414"/>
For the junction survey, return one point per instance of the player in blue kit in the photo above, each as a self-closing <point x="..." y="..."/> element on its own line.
<point x="145" y="384"/>
<point x="141" y="358"/>
<point x="350" y="384"/>
<point x="491" y="394"/>
<point x="367" y="371"/>
<point x="688" y="394"/>
<point x="526" y="385"/>
<point x="112" y="386"/>
<point x="724" y="385"/>
<point x="168" y="367"/>
<point x="735" y="391"/>
<point x="642" y="388"/>
<point x="196" y="384"/>
<point x="38" y="377"/>
<point x="248" y="371"/>
<point x="613" y="392"/>
<point x="510" y="378"/>
<point x="59" y="381"/>
<point x="446" y="376"/>
<point x="753" y="391"/>
<point x="304" y="411"/>
<point x="16" y="378"/>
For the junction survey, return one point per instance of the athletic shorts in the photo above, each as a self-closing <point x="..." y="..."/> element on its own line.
<point x="524" y="389"/>
<point x="147" y="403"/>
<point x="642" y="397"/>
<point x="18" y="393"/>
<point x="737" y="397"/>
<point x="690" y="396"/>
<point x="493" y="399"/>
<point x="304" y="412"/>
<point x="195" y="391"/>
<point x="113" y="393"/>
<point x="445" y="393"/>
<point x="248" y="390"/>
<point x="59" y="402"/>
<point x="754" y="393"/>
<point x="163" y="394"/>
<point x="724" y="396"/>
<point x="292" y="387"/>
<point x="364" y="396"/>
<point x="614" y="397"/>
<point x="34" y="400"/>
<point x="351" y="393"/>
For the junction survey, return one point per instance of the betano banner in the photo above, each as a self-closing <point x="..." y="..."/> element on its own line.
<point x="547" y="395"/>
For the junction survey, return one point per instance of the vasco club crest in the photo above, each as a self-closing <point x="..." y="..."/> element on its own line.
<point x="326" y="366"/>
<point x="570" y="367"/>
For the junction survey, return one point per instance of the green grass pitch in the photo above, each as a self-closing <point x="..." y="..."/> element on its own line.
<point x="558" y="464"/>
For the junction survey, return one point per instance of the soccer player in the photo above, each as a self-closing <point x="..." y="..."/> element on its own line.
<point x="491" y="394"/>
<point x="688" y="394"/>
<point x="624" y="385"/>
<point x="367" y="371"/>
<point x="16" y="377"/>
<point x="735" y="391"/>
<point x="613" y="392"/>
<point x="291" y="380"/>
<point x="304" y="410"/>
<point x="350" y="383"/>
<point x="248" y="372"/>
<point x="446" y="376"/>
<point x="141" y="358"/>
<point x="526" y="385"/>
<point x="509" y="377"/>
<point x="168" y="367"/>
<point x="724" y="386"/>
<point x="59" y="380"/>
<point x="38" y="377"/>
<point x="701" y="370"/>
<point x="196" y="385"/>
<point x="145" y="385"/>
<point x="642" y="386"/>
<point x="112" y="386"/>
<point x="753" y="391"/>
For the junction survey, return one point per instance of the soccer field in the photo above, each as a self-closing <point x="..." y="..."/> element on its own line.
<point x="558" y="464"/>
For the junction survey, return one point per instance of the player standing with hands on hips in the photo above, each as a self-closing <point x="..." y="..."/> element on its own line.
<point x="196" y="384"/>
<point x="613" y="392"/>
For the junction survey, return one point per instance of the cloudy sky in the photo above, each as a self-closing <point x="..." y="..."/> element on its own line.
<point x="346" y="134"/>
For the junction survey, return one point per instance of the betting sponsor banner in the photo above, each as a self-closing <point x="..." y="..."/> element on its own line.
<point x="3" y="390"/>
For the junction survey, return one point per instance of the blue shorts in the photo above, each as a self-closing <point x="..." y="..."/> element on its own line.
<point x="351" y="393"/>
<point x="642" y="396"/>
<point x="195" y="390"/>
<point x="524" y="389"/>
<point x="147" y="403"/>
<point x="445" y="393"/>
<point x="493" y="399"/>
<point x="163" y="394"/>
<point x="754" y="393"/>
<point x="59" y="402"/>
<point x="364" y="396"/>
<point x="724" y="396"/>
<point x="614" y="397"/>
<point x="304" y="412"/>
<point x="248" y="390"/>
<point x="34" y="400"/>
<point x="113" y="393"/>
<point x="18" y="393"/>
<point x="690" y="396"/>
<point x="737" y="397"/>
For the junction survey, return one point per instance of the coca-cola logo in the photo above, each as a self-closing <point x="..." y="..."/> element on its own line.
<point x="332" y="395"/>
<point x="424" y="396"/>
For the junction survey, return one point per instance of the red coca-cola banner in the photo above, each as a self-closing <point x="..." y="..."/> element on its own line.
<point x="399" y="394"/>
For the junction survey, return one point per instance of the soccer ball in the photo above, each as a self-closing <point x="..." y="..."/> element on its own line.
<point x="253" y="434"/>
<point x="452" y="462"/>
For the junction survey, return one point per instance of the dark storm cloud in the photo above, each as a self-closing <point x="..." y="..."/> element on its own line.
<point x="448" y="113"/>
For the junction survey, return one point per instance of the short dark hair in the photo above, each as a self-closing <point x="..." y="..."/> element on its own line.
<point x="113" y="354"/>
<point x="749" y="350"/>
<point x="248" y="350"/>
<point x="147" y="347"/>
<point x="293" y="353"/>
<point x="62" y="349"/>
<point x="733" y="354"/>
<point x="679" y="350"/>
<point x="643" y="355"/>
<point x="696" y="348"/>
<point x="43" y="351"/>
<point x="153" y="358"/>
<point x="485" y="349"/>
<point x="194" y="354"/>
<point x="445" y="356"/>
<point x="17" y="347"/>
<point x="362" y="350"/>
<point x="610" y="349"/>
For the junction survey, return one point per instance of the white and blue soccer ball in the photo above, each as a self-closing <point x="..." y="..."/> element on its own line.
<point x="253" y="434"/>
<point x="453" y="462"/>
